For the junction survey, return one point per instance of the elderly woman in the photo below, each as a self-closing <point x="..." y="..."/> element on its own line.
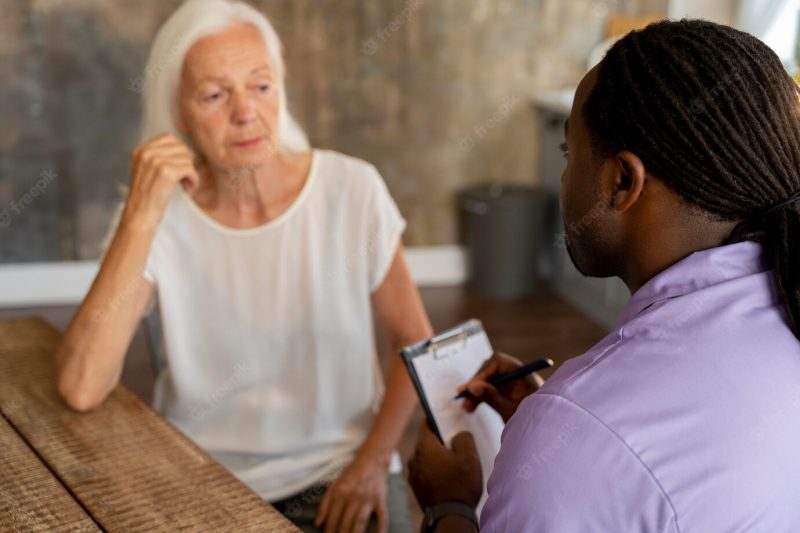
<point x="268" y="260"/>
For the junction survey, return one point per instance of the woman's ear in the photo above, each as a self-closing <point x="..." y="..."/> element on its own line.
<point x="182" y="126"/>
<point x="179" y="116"/>
<point x="629" y="182"/>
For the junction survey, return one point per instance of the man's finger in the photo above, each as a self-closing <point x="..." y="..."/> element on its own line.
<point x="470" y="404"/>
<point x="489" y="368"/>
<point x="411" y="464"/>
<point x="476" y="388"/>
<point x="463" y="444"/>
<point x="498" y="363"/>
<point x="427" y="440"/>
<point x="488" y="393"/>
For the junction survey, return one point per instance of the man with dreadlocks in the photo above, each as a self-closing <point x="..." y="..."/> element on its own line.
<point x="684" y="143"/>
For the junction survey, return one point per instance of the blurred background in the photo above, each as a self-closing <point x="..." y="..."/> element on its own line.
<point x="438" y="94"/>
<point x="459" y="103"/>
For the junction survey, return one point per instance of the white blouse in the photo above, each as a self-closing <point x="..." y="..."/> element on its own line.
<point x="268" y="331"/>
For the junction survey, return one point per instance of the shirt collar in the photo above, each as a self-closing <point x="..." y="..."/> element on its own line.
<point x="696" y="271"/>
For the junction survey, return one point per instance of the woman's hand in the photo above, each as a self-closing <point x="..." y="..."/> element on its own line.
<point x="350" y="500"/>
<point x="507" y="398"/>
<point x="158" y="166"/>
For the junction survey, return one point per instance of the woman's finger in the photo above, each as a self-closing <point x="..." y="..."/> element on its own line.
<point x="189" y="178"/>
<point x="383" y="517"/>
<point x="177" y="170"/>
<point x="176" y="158"/>
<point x="174" y="168"/>
<point x="152" y="154"/>
<point x="352" y="511"/>
<point x="164" y="139"/>
<point x="322" y="512"/>
<point x="335" y="514"/>
<point x="361" y="519"/>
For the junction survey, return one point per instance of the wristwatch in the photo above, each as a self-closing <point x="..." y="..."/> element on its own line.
<point x="437" y="512"/>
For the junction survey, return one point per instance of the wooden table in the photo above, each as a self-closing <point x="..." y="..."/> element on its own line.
<point x="118" y="468"/>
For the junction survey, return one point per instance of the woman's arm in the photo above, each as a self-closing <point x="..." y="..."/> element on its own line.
<point x="361" y="489"/>
<point x="399" y="309"/>
<point x="91" y="353"/>
<point x="90" y="356"/>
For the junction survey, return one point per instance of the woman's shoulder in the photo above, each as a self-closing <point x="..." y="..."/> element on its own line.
<point x="342" y="170"/>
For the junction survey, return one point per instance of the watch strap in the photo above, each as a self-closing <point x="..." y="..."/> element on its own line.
<point x="436" y="512"/>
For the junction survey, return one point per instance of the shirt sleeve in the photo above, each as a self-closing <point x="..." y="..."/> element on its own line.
<point x="385" y="227"/>
<point x="561" y="469"/>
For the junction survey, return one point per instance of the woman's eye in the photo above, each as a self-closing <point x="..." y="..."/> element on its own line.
<point x="212" y="97"/>
<point x="264" y="87"/>
<point x="563" y="148"/>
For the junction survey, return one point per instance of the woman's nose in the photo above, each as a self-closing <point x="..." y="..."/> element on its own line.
<point x="243" y="107"/>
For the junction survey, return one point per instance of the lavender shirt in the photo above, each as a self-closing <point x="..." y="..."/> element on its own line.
<point x="685" y="418"/>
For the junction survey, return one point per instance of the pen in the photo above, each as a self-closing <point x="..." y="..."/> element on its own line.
<point x="524" y="370"/>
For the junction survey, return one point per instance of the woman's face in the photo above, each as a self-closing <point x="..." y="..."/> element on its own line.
<point x="228" y="98"/>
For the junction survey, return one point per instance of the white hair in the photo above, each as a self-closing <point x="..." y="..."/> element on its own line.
<point x="191" y="22"/>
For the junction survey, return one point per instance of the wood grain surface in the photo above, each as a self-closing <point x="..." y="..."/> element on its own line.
<point x="125" y="466"/>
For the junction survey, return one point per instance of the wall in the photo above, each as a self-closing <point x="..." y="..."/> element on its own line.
<point x="436" y="93"/>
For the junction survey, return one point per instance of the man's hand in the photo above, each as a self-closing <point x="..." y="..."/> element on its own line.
<point x="507" y="398"/>
<point x="438" y="474"/>
<point x="350" y="500"/>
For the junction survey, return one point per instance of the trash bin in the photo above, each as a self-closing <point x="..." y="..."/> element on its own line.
<point x="504" y="226"/>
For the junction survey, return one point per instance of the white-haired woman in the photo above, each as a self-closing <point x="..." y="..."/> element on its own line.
<point x="267" y="262"/>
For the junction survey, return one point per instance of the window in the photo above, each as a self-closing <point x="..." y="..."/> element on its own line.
<point x="781" y="35"/>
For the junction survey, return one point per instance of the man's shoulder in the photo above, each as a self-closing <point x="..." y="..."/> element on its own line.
<point x="562" y="468"/>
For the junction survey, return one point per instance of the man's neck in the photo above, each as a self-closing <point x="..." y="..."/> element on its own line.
<point x="655" y="250"/>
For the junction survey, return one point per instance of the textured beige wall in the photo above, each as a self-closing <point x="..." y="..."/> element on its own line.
<point x="436" y="93"/>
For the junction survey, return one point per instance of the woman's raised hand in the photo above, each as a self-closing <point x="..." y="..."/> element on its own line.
<point x="157" y="167"/>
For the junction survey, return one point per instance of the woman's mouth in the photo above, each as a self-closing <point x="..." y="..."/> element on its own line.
<point x="247" y="143"/>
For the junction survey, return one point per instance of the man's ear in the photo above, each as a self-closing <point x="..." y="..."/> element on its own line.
<point x="629" y="181"/>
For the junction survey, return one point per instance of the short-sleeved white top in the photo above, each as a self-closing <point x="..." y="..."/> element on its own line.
<point x="268" y="331"/>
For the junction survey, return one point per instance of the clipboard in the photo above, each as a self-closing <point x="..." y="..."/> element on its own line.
<point x="440" y="364"/>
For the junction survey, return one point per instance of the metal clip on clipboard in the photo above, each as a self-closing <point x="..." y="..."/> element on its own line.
<point x="452" y="336"/>
<point x="442" y="341"/>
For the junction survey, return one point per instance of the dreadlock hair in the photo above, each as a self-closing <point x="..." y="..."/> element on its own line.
<point x="712" y="112"/>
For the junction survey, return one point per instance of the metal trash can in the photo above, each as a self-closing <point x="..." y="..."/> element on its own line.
<point x="504" y="226"/>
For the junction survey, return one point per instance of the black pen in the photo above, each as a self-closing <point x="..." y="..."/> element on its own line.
<point x="524" y="370"/>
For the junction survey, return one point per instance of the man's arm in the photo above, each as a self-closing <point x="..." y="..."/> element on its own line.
<point x="562" y="469"/>
<point x="455" y="524"/>
<point x="444" y="478"/>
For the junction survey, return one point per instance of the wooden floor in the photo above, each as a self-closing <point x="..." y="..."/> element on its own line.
<point x="543" y="325"/>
